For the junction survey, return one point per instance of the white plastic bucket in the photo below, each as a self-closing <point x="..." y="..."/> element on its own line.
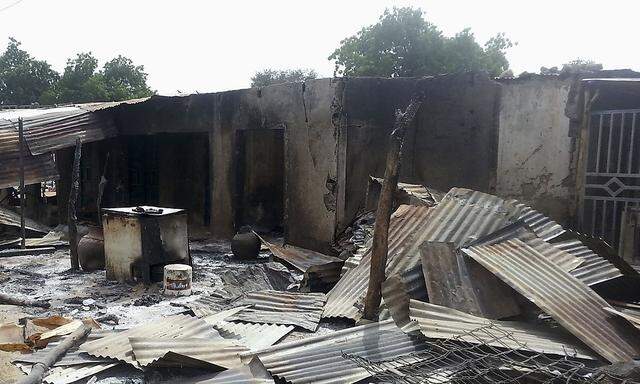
<point x="177" y="280"/>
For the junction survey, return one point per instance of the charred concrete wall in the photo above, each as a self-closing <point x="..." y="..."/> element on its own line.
<point x="453" y="141"/>
<point x="310" y="140"/>
<point x="535" y="151"/>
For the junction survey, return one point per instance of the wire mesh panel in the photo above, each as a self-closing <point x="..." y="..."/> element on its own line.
<point x="612" y="172"/>
<point x="471" y="358"/>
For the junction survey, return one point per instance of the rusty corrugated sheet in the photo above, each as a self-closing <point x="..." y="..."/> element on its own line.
<point x="10" y="218"/>
<point x="405" y="235"/>
<point x="218" y="351"/>
<point x="47" y="130"/>
<point x="594" y="269"/>
<point x="36" y="168"/>
<point x="440" y="322"/>
<point x="276" y="307"/>
<point x="319" y="359"/>
<point x="117" y="346"/>
<point x="568" y="300"/>
<point x="319" y="270"/>
<point x="563" y="259"/>
<point x="455" y="281"/>
<point x="253" y="335"/>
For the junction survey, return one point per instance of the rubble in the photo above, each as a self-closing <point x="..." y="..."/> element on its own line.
<point x="475" y="284"/>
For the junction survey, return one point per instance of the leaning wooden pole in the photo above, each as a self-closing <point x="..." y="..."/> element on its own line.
<point x="73" y="199"/>
<point x="385" y="207"/>
<point x="21" y="144"/>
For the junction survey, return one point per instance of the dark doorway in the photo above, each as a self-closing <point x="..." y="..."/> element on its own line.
<point x="260" y="179"/>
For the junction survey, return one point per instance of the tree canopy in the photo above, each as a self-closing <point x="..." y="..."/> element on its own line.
<point x="403" y="43"/>
<point x="25" y="80"/>
<point x="274" y="76"/>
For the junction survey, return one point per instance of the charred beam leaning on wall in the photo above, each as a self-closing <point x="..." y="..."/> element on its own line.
<point x="385" y="206"/>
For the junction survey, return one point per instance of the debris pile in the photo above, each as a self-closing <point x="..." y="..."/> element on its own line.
<point x="478" y="289"/>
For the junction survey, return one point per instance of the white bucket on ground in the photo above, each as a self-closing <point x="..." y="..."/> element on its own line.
<point x="177" y="280"/>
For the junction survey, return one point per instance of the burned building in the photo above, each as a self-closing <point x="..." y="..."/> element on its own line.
<point x="297" y="157"/>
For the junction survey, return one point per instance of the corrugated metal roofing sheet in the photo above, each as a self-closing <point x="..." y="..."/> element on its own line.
<point x="252" y="373"/>
<point x="319" y="269"/>
<point x="253" y="335"/>
<point x="275" y="307"/>
<point x="36" y="168"/>
<point x="594" y="269"/>
<point x="455" y="281"/>
<point x="50" y="129"/>
<point x="218" y="351"/>
<point x="569" y="301"/>
<point x="70" y="374"/>
<point x="406" y="233"/>
<point x="117" y="346"/>
<point x="440" y="322"/>
<point x="319" y="359"/>
<point x="10" y="218"/>
<point x="461" y="217"/>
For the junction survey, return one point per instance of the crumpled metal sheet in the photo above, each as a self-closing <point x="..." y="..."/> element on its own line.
<point x="218" y="351"/>
<point x="252" y="373"/>
<point x="319" y="359"/>
<point x="117" y="346"/>
<point x="462" y="217"/>
<point x="440" y="322"/>
<point x="455" y="281"/>
<point x="319" y="270"/>
<point x="10" y="218"/>
<point x="70" y="374"/>
<point x="276" y="307"/>
<point x="568" y="300"/>
<point x="594" y="269"/>
<point x="405" y="235"/>
<point x="253" y="335"/>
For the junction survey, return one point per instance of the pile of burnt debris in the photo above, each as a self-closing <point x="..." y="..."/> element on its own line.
<point x="477" y="289"/>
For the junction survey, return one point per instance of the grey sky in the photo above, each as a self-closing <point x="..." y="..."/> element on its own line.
<point x="217" y="45"/>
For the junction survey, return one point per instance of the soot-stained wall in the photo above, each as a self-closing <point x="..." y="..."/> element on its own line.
<point x="453" y="141"/>
<point x="310" y="142"/>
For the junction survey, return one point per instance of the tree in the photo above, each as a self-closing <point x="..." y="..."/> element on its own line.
<point x="273" y="76"/>
<point x="79" y="83"/>
<point x="118" y="80"/>
<point x="124" y="80"/>
<point x="404" y="44"/>
<point x="23" y="79"/>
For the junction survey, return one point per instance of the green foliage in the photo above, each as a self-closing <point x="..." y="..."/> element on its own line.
<point x="273" y="76"/>
<point x="22" y="78"/>
<point x="404" y="44"/>
<point x="576" y="66"/>
<point x="81" y="82"/>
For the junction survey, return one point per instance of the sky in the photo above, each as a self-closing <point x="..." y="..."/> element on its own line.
<point x="191" y="46"/>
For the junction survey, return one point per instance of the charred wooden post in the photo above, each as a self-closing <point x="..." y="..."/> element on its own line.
<point x="73" y="199"/>
<point x="385" y="206"/>
<point x="22" y="200"/>
<point x="22" y="301"/>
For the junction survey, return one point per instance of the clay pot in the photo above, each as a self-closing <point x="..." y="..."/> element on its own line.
<point x="245" y="245"/>
<point x="91" y="250"/>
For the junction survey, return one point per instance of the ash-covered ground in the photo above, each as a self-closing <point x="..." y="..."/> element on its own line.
<point x="116" y="305"/>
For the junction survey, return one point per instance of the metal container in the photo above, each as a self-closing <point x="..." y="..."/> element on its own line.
<point x="177" y="280"/>
<point x="140" y="241"/>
